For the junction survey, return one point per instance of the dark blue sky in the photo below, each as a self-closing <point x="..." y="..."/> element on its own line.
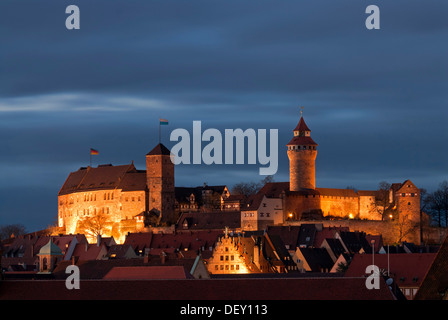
<point x="376" y="101"/>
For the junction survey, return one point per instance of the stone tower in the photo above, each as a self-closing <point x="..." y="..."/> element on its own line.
<point x="160" y="182"/>
<point x="302" y="151"/>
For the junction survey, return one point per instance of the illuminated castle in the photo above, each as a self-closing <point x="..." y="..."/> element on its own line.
<point x="122" y="196"/>
<point x="299" y="199"/>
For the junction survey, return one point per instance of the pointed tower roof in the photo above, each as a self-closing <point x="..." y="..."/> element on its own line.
<point x="302" y="134"/>
<point x="159" y="149"/>
<point x="302" y="125"/>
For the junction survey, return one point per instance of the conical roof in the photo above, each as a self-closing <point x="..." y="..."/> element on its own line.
<point x="302" y="126"/>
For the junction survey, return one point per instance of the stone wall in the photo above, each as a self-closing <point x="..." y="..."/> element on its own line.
<point x="302" y="169"/>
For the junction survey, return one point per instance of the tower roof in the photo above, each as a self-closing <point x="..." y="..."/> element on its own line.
<point x="159" y="149"/>
<point x="302" y="126"/>
<point x="50" y="249"/>
<point x="302" y="141"/>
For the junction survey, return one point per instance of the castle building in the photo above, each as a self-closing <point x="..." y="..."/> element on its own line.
<point x="122" y="196"/>
<point x="300" y="199"/>
<point x="114" y="200"/>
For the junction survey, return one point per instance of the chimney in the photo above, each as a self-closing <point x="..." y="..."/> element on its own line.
<point x="98" y="240"/>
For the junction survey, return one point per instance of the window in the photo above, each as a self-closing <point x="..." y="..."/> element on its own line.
<point x="403" y="194"/>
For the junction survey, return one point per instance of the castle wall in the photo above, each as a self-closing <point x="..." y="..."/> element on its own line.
<point x="115" y="204"/>
<point x="367" y="208"/>
<point x="344" y="207"/>
<point x="296" y="204"/>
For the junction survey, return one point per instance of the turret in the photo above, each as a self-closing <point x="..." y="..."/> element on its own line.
<point x="302" y="152"/>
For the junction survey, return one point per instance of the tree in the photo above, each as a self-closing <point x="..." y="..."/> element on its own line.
<point x="7" y="231"/>
<point x="437" y="203"/>
<point x="382" y="199"/>
<point x="250" y="188"/>
<point x="404" y="227"/>
<point x="94" y="226"/>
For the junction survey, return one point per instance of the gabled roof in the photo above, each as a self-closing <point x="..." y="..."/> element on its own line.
<point x="85" y="251"/>
<point x="307" y="235"/>
<point x="407" y="269"/>
<point x="120" y="251"/>
<point x="289" y="234"/>
<point x="354" y="241"/>
<point x="317" y="258"/>
<point x="327" y="232"/>
<point x="335" y="246"/>
<point x="269" y="190"/>
<point x="435" y="282"/>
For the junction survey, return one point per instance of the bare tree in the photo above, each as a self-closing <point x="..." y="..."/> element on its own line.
<point x="9" y="230"/>
<point x="93" y="226"/>
<point x="404" y="226"/>
<point x="382" y="202"/>
<point x="250" y="188"/>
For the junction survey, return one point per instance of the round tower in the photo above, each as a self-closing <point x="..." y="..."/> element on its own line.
<point x="302" y="151"/>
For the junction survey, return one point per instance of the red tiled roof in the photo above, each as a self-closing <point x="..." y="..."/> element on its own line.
<point x="301" y="126"/>
<point x="191" y="240"/>
<point x="102" y="177"/>
<point x="327" y="233"/>
<point x="146" y="273"/>
<point x="301" y="141"/>
<point x="407" y="269"/>
<point x="87" y="251"/>
<point x="435" y="283"/>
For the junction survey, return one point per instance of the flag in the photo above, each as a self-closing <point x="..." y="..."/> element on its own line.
<point x="163" y="121"/>
<point x="93" y="151"/>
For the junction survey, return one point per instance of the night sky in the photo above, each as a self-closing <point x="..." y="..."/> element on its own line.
<point x="375" y="100"/>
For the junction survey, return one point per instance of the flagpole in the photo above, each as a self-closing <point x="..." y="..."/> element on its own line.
<point x="159" y="131"/>
<point x="90" y="158"/>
